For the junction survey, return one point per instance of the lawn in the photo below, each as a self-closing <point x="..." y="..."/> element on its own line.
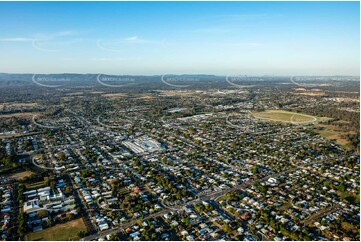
<point x="35" y="185"/>
<point x="285" y="116"/>
<point x="66" y="231"/>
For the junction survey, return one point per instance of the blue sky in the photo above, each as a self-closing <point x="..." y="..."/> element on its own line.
<point x="254" y="38"/>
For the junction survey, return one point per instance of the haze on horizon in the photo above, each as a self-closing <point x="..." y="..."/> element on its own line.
<point x="152" y="38"/>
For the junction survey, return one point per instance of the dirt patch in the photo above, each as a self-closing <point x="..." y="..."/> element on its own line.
<point x="115" y="95"/>
<point x="22" y="174"/>
<point x="311" y="94"/>
<point x="177" y="93"/>
<point x="146" y="97"/>
<point x="75" y="94"/>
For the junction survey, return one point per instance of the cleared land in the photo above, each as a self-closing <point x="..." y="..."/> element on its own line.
<point x="285" y="116"/>
<point x="22" y="174"/>
<point x="115" y="95"/>
<point x="312" y="94"/>
<point x="177" y="93"/>
<point x="75" y="94"/>
<point x="331" y="132"/>
<point x="35" y="185"/>
<point x="25" y="115"/>
<point x="66" y="231"/>
<point x="146" y="97"/>
<point x="11" y="105"/>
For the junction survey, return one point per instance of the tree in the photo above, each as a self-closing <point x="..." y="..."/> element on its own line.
<point x="42" y="213"/>
<point x="81" y="234"/>
<point x="254" y="170"/>
<point x="69" y="216"/>
<point x="226" y="228"/>
<point x="263" y="189"/>
<point x="49" y="223"/>
<point x="21" y="224"/>
<point x="347" y="226"/>
<point x="341" y="187"/>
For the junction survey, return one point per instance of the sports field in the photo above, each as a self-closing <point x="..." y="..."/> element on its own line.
<point x="285" y="116"/>
<point x="66" y="231"/>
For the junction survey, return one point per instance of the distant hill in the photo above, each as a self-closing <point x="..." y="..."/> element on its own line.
<point x="7" y="79"/>
<point x="156" y="81"/>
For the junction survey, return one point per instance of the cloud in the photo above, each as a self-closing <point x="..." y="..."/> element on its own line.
<point x="120" y="44"/>
<point x="51" y="36"/>
<point x="239" y="16"/>
<point x="219" y="30"/>
<point x="133" y="38"/>
<point x="16" y="39"/>
<point x="57" y="40"/>
<point x="245" y="44"/>
<point x="36" y="46"/>
<point x="39" y="37"/>
<point x="113" y="59"/>
<point x="254" y="15"/>
<point x="66" y="33"/>
<point x="136" y="40"/>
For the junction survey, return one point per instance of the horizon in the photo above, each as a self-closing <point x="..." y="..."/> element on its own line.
<point x="153" y="38"/>
<point x="181" y="74"/>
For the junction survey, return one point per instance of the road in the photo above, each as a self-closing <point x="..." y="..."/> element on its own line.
<point x="124" y="226"/>
<point x="320" y="214"/>
<point x="77" y="197"/>
<point x="211" y="197"/>
<point x="206" y="197"/>
<point x="15" y="210"/>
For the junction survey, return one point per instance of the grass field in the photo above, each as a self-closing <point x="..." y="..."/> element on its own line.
<point x="66" y="231"/>
<point x="8" y="105"/>
<point x="285" y="116"/>
<point x="25" y="115"/>
<point x="22" y="174"/>
<point x="331" y="132"/>
<point x="35" y="185"/>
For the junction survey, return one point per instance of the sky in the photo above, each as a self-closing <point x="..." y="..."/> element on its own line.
<point x="155" y="38"/>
